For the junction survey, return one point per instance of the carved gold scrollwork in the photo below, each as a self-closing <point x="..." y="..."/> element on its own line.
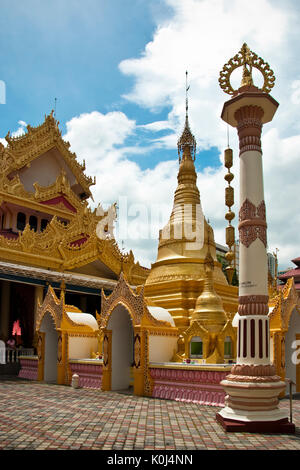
<point x="137" y="351"/>
<point x="39" y="347"/>
<point x="105" y="351"/>
<point x="59" y="349"/>
<point x="247" y="59"/>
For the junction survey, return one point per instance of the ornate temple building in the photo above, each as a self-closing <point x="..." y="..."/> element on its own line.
<point x="292" y="273"/>
<point x="175" y="331"/>
<point x="48" y="231"/>
<point x="178" y="316"/>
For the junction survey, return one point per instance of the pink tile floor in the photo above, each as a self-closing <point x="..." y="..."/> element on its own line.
<point x="41" y="416"/>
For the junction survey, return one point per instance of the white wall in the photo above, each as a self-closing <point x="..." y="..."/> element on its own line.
<point x="122" y="347"/>
<point x="294" y="328"/>
<point x="43" y="170"/>
<point x="2" y="352"/>
<point x="50" y="367"/>
<point x="80" y="347"/>
<point x="161" y="348"/>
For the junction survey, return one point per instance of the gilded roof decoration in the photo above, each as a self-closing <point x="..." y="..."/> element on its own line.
<point x="61" y="245"/>
<point x="24" y="149"/>
<point x="57" y="308"/>
<point x="56" y="246"/>
<point x="284" y="303"/>
<point x="247" y="59"/>
<point x="135" y="304"/>
<point x="42" y="194"/>
<point x="187" y="140"/>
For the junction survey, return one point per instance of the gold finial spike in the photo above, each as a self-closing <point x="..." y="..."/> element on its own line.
<point x="186" y="95"/>
<point x="62" y="289"/>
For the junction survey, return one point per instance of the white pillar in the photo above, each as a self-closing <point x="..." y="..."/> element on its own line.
<point x="252" y="387"/>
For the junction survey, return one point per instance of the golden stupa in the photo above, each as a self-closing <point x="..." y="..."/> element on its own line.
<point x="177" y="277"/>
<point x="209" y="311"/>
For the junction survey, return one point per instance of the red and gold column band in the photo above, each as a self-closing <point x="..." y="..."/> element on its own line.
<point x="252" y="223"/>
<point x="249" y="128"/>
<point x="253" y="305"/>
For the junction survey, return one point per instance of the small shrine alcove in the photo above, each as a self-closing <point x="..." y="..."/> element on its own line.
<point x="50" y="335"/>
<point x="121" y="327"/>
<point x="64" y="334"/>
<point x="131" y="334"/>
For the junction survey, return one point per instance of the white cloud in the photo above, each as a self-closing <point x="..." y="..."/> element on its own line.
<point x="21" y="129"/>
<point x="101" y="140"/>
<point x="156" y="126"/>
<point x="200" y="37"/>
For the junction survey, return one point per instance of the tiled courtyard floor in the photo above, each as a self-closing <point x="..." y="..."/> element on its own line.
<point x="35" y="415"/>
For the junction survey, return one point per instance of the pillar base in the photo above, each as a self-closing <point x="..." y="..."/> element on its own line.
<point x="281" y="426"/>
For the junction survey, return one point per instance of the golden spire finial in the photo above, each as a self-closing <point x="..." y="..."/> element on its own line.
<point x="62" y="289"/>
<point x="186" y="95"/>
<point x="247" y="59"/>
<point x="187" y="140"/>
<point x="247" y="72"/>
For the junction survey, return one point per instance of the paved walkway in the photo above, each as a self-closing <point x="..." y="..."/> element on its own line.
<point x="34" y="415"/>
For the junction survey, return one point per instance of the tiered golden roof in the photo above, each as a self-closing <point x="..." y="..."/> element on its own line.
<point x="22" y="150"/>
<point x="70" y="240"/>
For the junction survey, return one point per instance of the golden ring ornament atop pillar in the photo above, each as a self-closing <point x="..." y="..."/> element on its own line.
<point x="247" y="59"/>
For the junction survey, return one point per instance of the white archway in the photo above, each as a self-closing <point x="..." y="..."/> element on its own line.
<point x="51" y="338"/>
<point x="120" y="324"/>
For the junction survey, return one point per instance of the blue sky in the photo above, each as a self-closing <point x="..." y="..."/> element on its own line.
<point x="69" y="50"/>
<point x="117" y="69"/>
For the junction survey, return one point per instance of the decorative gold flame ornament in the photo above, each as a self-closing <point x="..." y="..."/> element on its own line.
<point x="229" y="201"/>
<point x="247" y="59"/>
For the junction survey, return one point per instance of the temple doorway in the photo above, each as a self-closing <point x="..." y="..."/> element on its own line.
<point x="22" y="311"/>
<point x="51" y="339"/>
<point x="292" y="354"/>
<point x="120" y="324"/>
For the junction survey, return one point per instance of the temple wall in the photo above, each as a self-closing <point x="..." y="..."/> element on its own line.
<point x="43" y="170"/>
<point x="191" y="384"/>
<point x="161" y="348"/>
<point x="81" y="347"/>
